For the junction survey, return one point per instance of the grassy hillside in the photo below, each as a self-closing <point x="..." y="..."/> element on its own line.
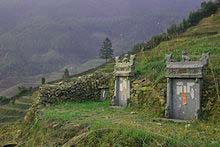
<point x="95" y="123"/>
<point x="197" y="40"/>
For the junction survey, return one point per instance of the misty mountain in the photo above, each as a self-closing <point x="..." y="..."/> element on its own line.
<point x="41" y="36"/>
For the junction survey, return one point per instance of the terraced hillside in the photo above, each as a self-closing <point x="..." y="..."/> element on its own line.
<point x="205" y="37"/>
<point x="15" y="111"/>
<point x="94" y="123"/>
<point x="11" y="114"/>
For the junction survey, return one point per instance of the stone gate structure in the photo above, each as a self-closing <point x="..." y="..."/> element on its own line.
<point x="184" y="87"/>
<point x="123" y="71"/>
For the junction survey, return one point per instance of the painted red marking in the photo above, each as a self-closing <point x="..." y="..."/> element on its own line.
<point x="184" y="98"/>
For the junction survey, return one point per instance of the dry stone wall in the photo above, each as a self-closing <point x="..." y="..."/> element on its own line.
<point x="148" y="96"/>
<point x="82" y="88"/>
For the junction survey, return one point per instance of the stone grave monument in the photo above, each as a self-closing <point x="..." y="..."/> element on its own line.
<point x="184" y="87"/>
<point x="123" y="71"/>
<point x="104" y="92"/>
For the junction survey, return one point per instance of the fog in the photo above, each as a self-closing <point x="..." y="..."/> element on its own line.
<point x="42" y="36"/>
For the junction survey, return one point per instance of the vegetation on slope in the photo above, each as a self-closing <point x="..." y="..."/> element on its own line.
<point x="12" y="113"/>
<point x="94" y="123"/>
<point x="151" y="64"/>
<point x="206" y="10"/>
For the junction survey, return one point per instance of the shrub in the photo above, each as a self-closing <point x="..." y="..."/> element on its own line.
<point x="4" y="100"/>
<point x="23" y="90"/>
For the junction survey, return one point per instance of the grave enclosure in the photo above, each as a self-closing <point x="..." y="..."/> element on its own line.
<point x="184" y="87"/>
<point x="123" y="71"/>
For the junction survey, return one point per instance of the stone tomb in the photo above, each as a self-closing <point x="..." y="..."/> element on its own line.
<point x="123" y="71"/>
<point x="184" y="87"/>
<point x="104" y="93"/>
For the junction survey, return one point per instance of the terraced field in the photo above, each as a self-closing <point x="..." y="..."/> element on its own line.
<point x="11" y="115"/>
<point x="13" y="112"/>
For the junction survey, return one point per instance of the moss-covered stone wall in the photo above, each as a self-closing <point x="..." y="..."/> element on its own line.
<point x="148" y="96"/>
<point x="79" y="89"/>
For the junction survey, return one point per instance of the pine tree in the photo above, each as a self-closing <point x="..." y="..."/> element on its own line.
<point x="106" y="51"/>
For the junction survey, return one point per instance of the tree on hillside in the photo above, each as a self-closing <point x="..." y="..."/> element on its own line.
<point x="172" y="30"/>
<point x="208" y="8"/>
<point x="106" y="51"/>
<point x="183" y="26"/>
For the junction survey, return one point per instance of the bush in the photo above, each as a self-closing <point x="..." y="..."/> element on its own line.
<point x="154" y="41"/>
<point x="206" y="10"/>
<point x="22" y="90"/>
<point x="4" y="100"/>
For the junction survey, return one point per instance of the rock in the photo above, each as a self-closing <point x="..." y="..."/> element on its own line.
<point x="55" y="125"/>
<point x="10" y="145"/>
<point x="159" y="124"/>
<point x="214" y="142"/>
<point x="133" y="113"/>
<point x="187" y="126"/>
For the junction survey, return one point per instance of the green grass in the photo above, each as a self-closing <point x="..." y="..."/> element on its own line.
<point x="99" y="116"/>
<point x="79" y="112"/>
<point x="154" y="59"/>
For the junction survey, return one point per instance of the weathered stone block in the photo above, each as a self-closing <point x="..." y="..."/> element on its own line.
<point x="123" y="71"/>
<point x="184" y="87"/>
